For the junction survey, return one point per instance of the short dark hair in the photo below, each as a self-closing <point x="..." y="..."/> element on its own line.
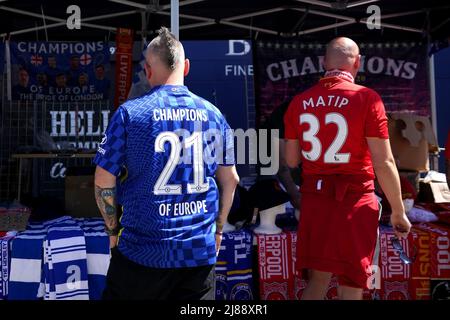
<point x="167" y="47"/>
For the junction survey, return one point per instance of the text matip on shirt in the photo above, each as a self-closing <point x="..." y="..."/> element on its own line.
<point x="166" y="146"/>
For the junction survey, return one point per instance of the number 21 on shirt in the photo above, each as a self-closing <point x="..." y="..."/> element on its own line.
<point x="332" y="154"/>
<point x="195" y="141"/>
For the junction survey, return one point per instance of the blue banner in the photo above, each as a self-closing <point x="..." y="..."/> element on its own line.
<point x="222" y="72"/>
<point x="60" y="71"/>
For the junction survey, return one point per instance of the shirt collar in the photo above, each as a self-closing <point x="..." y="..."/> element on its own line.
<point x="170" y="87"/>
<point x="341" y="74"/>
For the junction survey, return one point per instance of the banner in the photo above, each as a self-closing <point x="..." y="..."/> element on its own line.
<point x="124" y="64"/>
<point x="60" y="71"/>
<point x="397" y="72"/>
<point x="222" y="72"/>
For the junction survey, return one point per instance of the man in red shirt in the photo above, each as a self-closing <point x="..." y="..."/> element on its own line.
<point x="338" y="130"/>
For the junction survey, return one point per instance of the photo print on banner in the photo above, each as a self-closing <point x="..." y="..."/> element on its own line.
<point x="60" y="71"/>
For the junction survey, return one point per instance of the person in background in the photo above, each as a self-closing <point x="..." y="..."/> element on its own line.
<point x="83" y="79"/>
<point x="61" y="80"/>
<point x="23" y="85"/>
<point x="74" y="71"/>
<point x="338" y="130"/>
<point x="42" y="82"/>
<point x="289" y="178"/>
<point x="101" y="83"/>
<point x="51" y="69"/>
<point x="166" y="243"/>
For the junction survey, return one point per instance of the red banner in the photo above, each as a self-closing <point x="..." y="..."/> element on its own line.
<point x="124" y="65"/>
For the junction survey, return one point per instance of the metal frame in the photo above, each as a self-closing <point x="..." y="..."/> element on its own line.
<point x="337" y="4"/>
<point x="230" y="21"/>
<point x="62" y="22"/>
<point x="395" y="26"/>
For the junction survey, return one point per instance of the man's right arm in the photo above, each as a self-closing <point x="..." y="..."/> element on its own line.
<point x="227" y="179"/>
<point x="389" y="180"/>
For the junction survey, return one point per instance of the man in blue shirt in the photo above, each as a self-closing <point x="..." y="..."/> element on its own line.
<point x="167" y="148"/>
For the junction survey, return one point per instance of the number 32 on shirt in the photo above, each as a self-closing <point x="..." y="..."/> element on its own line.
<point x="332" y="154"/>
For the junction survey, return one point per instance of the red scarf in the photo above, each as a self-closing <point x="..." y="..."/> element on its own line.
<point x="339" y="74"/>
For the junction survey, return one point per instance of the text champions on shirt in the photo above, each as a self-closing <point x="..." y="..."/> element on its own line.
<point x="179" y="115"/>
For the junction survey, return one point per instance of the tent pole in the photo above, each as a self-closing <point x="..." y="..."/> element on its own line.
<point x="144" y="29"/>
<point x="432" y="86"/>
<point x="174" y="18"/>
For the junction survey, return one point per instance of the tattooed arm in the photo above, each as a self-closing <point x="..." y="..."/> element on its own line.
<point x="105" y="195"/>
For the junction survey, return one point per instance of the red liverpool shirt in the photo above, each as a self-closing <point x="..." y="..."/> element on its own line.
<point x="331" y="121"/>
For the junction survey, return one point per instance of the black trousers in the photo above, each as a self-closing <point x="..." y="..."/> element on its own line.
<point x="127" y="280"/>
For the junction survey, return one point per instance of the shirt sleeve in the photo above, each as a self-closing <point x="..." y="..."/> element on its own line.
<point x="111" y="151"/>
<point x="291" y="124"/>
<point x="376" y="125"/>
<point x="228" y="145"/>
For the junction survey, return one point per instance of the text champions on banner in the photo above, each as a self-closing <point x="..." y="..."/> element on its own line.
<point x="60" y="71"/>
<point x="397" y="72"/>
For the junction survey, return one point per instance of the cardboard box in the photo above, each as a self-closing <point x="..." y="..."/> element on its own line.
<point x="434" y="192"/>
<point x="80" y="197"/>
<point x="412" y="139"/>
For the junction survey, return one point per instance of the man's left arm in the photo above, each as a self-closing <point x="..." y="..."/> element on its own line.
<point x="292" y="153"/>
<point x="285" y="177"/>
<point x="105" y="196"/>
